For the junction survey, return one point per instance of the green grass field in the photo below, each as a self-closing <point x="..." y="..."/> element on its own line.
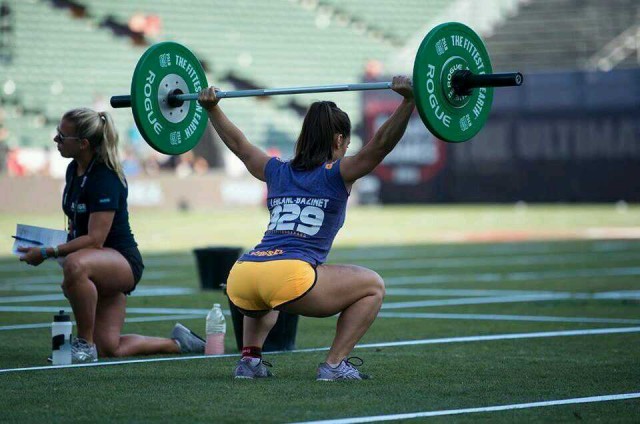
<point x="463" y="325"/>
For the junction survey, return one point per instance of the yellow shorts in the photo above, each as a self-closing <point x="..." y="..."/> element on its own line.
<point x="260" y="286"/>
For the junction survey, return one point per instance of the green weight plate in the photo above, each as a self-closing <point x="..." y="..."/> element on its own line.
<point x="163" y="68"/>
<point x="446" y="49"/>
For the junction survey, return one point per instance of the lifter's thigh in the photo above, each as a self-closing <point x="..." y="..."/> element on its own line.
<point x="337" y="287"/>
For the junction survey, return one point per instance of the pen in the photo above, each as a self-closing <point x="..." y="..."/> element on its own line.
<point x="36" y="242"/>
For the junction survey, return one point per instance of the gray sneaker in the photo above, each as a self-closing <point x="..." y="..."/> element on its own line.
<point x="83" y="352"/>
<point x="346" y="370"/>
<point x="244" y="369"/>
<point x="188" y="341"/>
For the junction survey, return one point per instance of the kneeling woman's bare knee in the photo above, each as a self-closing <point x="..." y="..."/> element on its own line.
<point x="73" y="269"/>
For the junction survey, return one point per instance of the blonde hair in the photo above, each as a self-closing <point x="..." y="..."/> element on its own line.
<point x="100" y="130"/>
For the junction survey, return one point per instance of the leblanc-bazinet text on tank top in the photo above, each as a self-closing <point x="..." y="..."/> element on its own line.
<point x="307" y="209"/>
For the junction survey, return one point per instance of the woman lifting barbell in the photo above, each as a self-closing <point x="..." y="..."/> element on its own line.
<point x="307" y="199"/>
<point x="101" y="261"/>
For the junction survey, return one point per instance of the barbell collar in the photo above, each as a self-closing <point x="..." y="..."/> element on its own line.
<point x="463" y="82"/>
<point x="174" y="100"/>
<point x="120" y="101"/>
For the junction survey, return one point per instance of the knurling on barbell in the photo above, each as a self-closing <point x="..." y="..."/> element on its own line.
<point x="453" y="86"/>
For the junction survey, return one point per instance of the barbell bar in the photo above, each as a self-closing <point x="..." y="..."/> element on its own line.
<point x="452" y="82"/>
<point x="463" y="82"/>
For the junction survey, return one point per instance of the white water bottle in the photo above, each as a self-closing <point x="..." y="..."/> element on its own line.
<point x="61" y="339"/>
<point x="216" y="329"/>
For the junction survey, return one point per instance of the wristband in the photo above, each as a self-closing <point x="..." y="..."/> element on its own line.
<point x="43" y="252"/>
<point x="56" y="253"/>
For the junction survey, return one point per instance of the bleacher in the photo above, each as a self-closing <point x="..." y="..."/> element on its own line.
<point x="559" y="34"/>
<point x="61" y="61"/>
<point x="274" y="44"/>
<point x="395" y="20"/>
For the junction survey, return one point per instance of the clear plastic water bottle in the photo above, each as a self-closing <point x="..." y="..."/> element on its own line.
<point x="61" y="339"/>
<point x="216" y="329"/>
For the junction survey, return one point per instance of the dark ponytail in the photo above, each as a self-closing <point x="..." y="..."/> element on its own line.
<point x="315" y="142"/>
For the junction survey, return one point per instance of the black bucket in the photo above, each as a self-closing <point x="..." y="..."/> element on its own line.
<point x="214" y="264"/>
<point x="281" y="337"/>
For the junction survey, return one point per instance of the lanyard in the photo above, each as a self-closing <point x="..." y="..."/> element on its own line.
<point x="83" y="182"/>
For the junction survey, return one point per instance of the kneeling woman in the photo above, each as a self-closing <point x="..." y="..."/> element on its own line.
<point x="102" y="263"/>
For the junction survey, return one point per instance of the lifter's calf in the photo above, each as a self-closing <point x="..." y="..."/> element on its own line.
<point x="355" y="320"/>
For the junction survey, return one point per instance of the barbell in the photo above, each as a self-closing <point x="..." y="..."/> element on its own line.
<point x="452" y="83"/>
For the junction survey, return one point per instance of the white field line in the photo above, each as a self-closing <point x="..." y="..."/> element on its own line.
<point x="490" y="249"/>
<point x="446" y="278"/>
<point x="411" y="261"/>
<point x="31" y="298"/>
<point x="129" y="320"/>
<point x="499" y="317"/>
<point x="55" y="288"/>
<point x="445" y="252"/>
<point x="17" y="266"/>
<point x="160" y="290"/>
<point x="477" y="301"/>
<point x="402" y="258"/>
<point x="612" y="246"/>
<point x="510" y="276"/>
<point x="543" y="296"/>
<point x="408" y="315"/>
<point x="56" y="277"/>
<point x="406" y="416"/>
<point x="619" y="294"/>
<point x="511" y="261"/>
<point x="152" y="311"/>
<point x="462" y="292"/>
<point x="631" y="295"/>
<point x="40" y="288"/>
<point x="400" y="252"/>
<point x="457" y="263"/>
<point x="461" y="278"/>
<point x="140" y="292"/>
<point x="446" y="340"/>
<point x="615" y="295"/>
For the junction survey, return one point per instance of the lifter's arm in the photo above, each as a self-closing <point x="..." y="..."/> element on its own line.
<point x="252" y="156"/>
<point x="385" y="139"/>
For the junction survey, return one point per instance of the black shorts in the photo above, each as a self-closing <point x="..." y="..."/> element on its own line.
<point x="133" y="256"/>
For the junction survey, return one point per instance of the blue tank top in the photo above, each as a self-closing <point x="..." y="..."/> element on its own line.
<point x="307" y="209"/>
